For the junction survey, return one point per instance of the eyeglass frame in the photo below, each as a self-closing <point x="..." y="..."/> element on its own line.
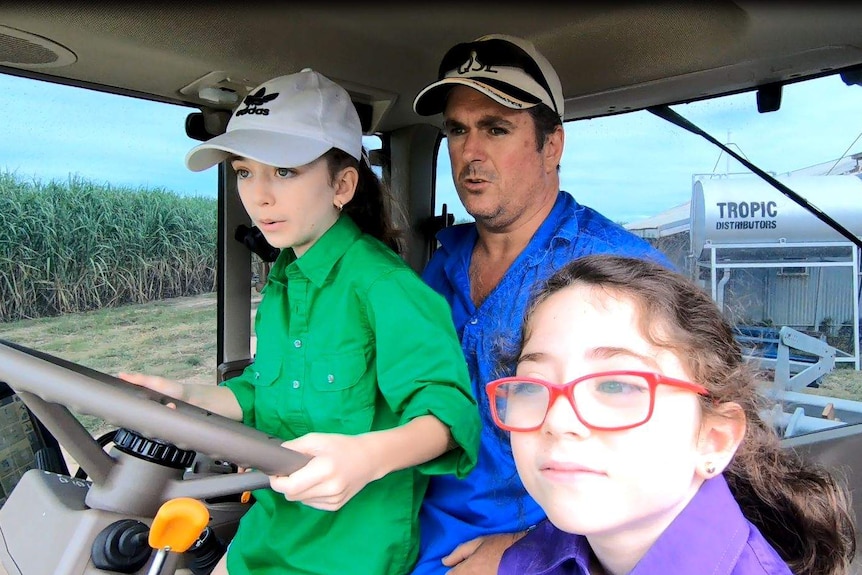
<point x="566" y="390"/>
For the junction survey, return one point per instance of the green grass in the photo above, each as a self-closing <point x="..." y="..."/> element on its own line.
<point x="79" y="262"/>
<point x="175" y="338"/>
<point x="75" y="245"/>
<point x="843" y="383"/>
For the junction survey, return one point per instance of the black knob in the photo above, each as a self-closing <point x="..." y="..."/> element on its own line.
<point x="153" y="450"/>
<point x="121" y="547"/>
<point x="205" y="553"/>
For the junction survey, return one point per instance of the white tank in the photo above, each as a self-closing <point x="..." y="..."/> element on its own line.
<point x="750" y="211"/>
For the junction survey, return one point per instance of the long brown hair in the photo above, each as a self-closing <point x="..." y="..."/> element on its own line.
<point x="801" y="509"/>
<point x="371" y="206"/>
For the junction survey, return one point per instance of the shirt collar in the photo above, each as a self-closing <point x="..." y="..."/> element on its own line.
<point x="548" y="548"/>
<point x="711" y="529"/>
<point x="317" y="263"/>
<point x="463" y="237"/>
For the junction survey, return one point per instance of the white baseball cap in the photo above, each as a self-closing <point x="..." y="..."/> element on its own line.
<point x="507" y="69"/>
<point x="286" y="122"/>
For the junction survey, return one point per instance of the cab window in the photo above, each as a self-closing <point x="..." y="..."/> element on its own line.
<point x="789" y="283"/>
<point x="107" y="241"/>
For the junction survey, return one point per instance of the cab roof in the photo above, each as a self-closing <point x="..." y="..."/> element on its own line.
<point x="610" y="58"/>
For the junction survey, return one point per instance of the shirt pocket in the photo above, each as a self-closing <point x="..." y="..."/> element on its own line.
<point x="343" y="395"/>
<point x="266" y="370"/>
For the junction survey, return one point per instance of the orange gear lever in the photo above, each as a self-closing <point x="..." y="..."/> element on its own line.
<point x="176" y="526"/>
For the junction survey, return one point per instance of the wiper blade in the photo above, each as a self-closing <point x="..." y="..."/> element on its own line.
<point x="665" y="113"/>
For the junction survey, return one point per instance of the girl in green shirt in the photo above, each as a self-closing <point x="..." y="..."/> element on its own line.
<point x="357" y="362"/>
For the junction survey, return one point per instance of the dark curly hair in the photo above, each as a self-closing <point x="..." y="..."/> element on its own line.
<point x="801" y="509"/>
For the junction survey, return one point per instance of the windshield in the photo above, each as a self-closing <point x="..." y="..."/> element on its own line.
<point x="789" y="283"/>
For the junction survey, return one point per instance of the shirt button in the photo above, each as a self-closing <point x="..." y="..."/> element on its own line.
<point x="330" y="378"/>
<point x="473" y="321"/>
<point x="297" y="343"/>
<point x="295" y="384"/>
<point x="257" y="375"/>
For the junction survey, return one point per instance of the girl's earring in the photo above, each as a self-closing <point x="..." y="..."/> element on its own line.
<point x="339" y="206"/>
<point x="710" y="469"/>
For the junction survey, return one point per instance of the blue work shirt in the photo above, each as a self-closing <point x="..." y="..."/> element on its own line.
<point x="492" y="499"/>
<point x="711" y="535"/>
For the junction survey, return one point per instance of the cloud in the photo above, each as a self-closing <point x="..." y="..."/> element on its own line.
<point x="636" y="165"/>
<point x="627" y="167"/>
<point x="52" y="131"/>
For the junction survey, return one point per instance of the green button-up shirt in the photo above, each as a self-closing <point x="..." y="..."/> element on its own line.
<point x="349" y="340"/>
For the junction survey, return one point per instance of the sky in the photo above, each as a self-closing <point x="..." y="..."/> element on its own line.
<point x="628" y="167"/>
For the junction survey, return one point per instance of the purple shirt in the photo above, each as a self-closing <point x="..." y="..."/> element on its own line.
<point x="710" y="536"/>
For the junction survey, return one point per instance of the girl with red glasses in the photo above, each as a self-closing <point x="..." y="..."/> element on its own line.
<point x="635" y="425"/>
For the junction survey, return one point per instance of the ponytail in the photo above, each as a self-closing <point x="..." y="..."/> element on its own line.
<point x="370" y="206"/>
<point x="799" y="507"/>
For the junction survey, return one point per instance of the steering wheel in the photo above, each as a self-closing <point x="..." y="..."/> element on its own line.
<point x="48" y="385"/>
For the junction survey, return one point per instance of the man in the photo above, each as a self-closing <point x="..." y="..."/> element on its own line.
<point x="502" y="106"/>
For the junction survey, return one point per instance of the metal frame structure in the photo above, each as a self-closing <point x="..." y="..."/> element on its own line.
<point x="852" y="263"/>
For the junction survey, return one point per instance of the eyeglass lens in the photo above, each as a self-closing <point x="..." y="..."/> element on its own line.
<point x="603" y="402"/>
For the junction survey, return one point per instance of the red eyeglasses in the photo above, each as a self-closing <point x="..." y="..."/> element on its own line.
<point x="606" y="401"/>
